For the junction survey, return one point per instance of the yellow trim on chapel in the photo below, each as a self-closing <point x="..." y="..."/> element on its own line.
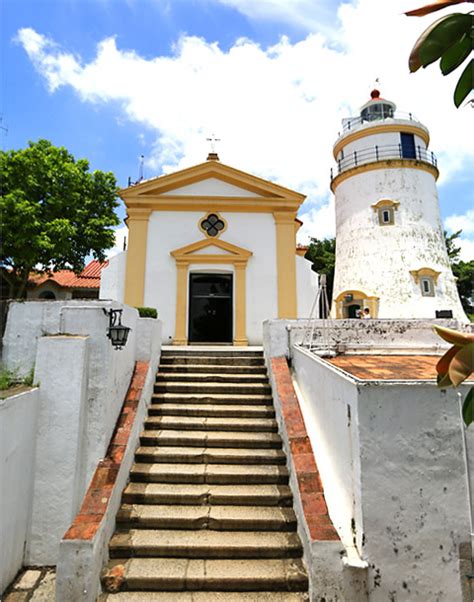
<point x="380" y="129"/>
<point x="418" y="274"/>
<point x="187" y="255"/>
<point x="286" y="264"/>
<point x="385" y="164"/>
<point x="137" y="222"/>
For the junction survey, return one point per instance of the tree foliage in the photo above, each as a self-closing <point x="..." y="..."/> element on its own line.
<point x="54" y="212"/>
<point x="463" y="271"/>
<point x="449" y="40"/>
<point x="322" y="253"/>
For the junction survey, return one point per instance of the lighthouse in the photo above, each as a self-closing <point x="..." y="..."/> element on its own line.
<point x="391" y="258"/>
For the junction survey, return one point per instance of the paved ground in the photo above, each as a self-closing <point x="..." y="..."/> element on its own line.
<point x="32" y="585"/>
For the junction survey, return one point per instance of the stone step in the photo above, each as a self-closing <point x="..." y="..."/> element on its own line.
<point x="204" y="544"/>
<point x="178" y="438"/>
<point x="204" y="493"/>
<point x="183" y="575"/>
<point x="210" y="368"/>
<point x="217" y="411"/>
<point x="202" y="351"/>
<point x="212" y="388"/>
<point x="205" y="360"/>
<point x="231" y="518"/>
<point x="224" y="474"/>
<point x="213" y="399"/>
<point x="214" y="596"/>
<point x="204" y="423"/>
<point x="210" y="377"/>
<point x="209" y="455"/>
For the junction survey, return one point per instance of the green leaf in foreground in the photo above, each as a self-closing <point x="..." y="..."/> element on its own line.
<point x="456" y="55"/>
<point x="465" y="84"/>
<point x="439" y="37"/>
<point x="468" y="407"/>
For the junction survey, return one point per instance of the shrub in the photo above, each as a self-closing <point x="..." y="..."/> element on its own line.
<point x="147" y="312"/>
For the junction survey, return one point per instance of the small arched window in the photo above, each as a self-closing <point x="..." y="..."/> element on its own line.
<point x="427" y="279"/>
<point x="47" y="295"/>
<point x="385" y="210"/>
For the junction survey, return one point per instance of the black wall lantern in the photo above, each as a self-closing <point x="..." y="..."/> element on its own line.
<point x="117" y="333"/>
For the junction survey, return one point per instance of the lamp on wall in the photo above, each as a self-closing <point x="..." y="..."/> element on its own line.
<point x="348" y="298"/>
<point x="117" y="333"/>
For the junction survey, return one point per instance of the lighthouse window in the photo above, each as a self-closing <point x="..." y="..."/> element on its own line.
<point x="427" y="286"/>
<point x="386" y="216"/>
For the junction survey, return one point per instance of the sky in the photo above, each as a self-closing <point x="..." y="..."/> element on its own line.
<point x="112" y="80"/>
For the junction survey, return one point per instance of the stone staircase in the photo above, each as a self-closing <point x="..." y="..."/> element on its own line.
<point x="207" y="515"/>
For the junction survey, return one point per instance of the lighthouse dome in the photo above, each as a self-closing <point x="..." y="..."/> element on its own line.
<point x="377" y="108"/>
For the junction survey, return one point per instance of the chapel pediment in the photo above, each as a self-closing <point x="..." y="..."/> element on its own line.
<point x="219" y="250"/>
<point x="221" y="186"/>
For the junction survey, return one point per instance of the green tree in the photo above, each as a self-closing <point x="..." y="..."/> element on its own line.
<point x="54" y="212"/>
<point x="449" y="40"/>
<point x="463" y="271"/>
<point x="322" y="253"/>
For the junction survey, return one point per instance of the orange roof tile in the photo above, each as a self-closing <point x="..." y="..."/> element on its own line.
<point x="88" y="278"/>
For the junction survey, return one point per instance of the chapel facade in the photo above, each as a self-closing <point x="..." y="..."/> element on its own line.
<point x="214" y="250"/>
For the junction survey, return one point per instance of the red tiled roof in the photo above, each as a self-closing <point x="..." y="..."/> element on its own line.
<point x="88" y="278"/>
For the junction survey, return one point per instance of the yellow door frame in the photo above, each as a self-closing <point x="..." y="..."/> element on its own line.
<point x="190" y="254"/>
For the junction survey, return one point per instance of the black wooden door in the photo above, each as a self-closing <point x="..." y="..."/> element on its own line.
<point x="210" y="308"/>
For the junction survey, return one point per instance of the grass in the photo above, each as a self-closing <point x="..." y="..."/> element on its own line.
<point x="9" y="379"/>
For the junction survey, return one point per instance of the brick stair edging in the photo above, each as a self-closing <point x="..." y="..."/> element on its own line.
<point x="323" y="549"/>
<point x="83" y="551"/>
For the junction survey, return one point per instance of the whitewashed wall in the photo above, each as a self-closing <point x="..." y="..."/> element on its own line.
<point x="377" y="259"/>
<point x="329" y="407"/>
<point x="112" y="278"/>
<point x="61" y="443"/>
<point x="18" y="425"/>
<point x="255" y="232"/>
<point x="109" y="371"/>
<point x="395" y="465"/>
<point x="306" y="286"/>
<point x="83" y="382"/>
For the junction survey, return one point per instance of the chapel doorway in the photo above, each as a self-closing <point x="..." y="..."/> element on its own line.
<point x="210" y="308"/>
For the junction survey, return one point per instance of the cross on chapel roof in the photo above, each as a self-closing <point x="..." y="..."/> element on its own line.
<point x="213" y="156"/>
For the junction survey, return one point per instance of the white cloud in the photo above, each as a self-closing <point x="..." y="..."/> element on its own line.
<point x="277" y="110"/>
<point x="464" y="222"/>
<point x="461" y="222"/>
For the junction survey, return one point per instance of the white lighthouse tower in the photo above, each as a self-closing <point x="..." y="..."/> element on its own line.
<point x="390" y="252"/>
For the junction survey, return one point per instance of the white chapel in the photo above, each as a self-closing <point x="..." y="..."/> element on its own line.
<point x="214" y="250"/>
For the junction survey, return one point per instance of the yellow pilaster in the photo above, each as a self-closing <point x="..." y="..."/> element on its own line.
<point x="240" y="337"/>
<point x="137" y="223"/>
<point x="286" y="263"/>
<point x="181" y="301"/>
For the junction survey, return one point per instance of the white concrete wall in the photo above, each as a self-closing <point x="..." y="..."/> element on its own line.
<point x="329" y="406"/>
<point x="396" y="466"/>
<point x="112" y="278"/>
<point x="61" y="440"/>
<point x="377" y="259"/>
<point x="18" y="425"/>
<point x="255" y="232"/>
<point x="81" y="562"/>
<point x="306" y="286"/>
<point x="109" y="371"/>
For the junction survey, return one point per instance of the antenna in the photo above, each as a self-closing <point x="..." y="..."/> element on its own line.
<point x="3" y="130"/>
<point x="140" y="172"/>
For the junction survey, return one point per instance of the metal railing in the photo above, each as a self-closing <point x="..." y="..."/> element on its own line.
<point x="381" y="153"/>
<point x="354" y="122"/>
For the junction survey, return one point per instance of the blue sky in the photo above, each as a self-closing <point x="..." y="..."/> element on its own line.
<point x="114" y="79"/>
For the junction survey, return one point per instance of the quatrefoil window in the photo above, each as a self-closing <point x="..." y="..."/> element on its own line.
<point x="212" y="225"/>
